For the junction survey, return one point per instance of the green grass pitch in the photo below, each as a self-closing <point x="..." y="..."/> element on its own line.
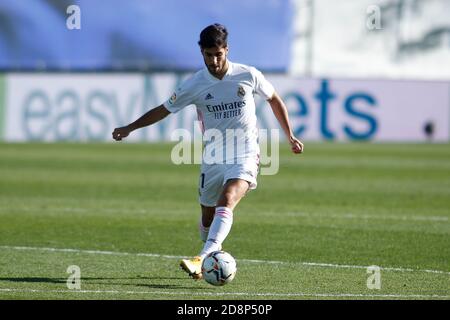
<point x="125" y="215"/>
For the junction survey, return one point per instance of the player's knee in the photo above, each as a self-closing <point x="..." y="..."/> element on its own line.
<point x="232" y="194"/>
<point x="229" y="199"/>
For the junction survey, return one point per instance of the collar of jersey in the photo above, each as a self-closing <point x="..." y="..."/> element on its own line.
<point x="212" y="78"/>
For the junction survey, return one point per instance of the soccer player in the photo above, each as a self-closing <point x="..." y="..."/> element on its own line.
<point x="223" y="93"/>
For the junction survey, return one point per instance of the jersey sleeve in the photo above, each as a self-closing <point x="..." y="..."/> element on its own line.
<point x="261" y="85"/>
<point x="181" y="97"/>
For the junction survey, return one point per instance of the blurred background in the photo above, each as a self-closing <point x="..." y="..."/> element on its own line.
<point x="365" y="70"/>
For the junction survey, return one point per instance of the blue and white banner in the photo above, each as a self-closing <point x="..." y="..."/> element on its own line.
<point x="87" y="107"/>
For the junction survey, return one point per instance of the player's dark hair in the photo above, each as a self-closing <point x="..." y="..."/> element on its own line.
<point x="214" y="35"/>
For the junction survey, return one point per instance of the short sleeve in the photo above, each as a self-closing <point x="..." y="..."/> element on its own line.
<point x="262" y="86"/>
<point x="182" y="97"/>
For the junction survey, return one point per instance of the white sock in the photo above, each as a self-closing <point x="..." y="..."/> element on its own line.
<point x="218" y="231"/>
<point x="203" y="231"/>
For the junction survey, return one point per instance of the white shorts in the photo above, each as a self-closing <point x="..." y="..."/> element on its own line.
<point x="214" y="176"/>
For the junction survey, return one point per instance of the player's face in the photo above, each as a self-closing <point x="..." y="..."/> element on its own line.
<point x="215" y="60"/>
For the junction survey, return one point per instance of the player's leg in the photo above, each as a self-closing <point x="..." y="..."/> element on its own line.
<point x="209" y="188"/>
<point x="193" y="266"/>
<point x="205" y="221"/>
<point x="234" y="190"/>
<point x="210" y="185"/>
<point x="239" y="179"/>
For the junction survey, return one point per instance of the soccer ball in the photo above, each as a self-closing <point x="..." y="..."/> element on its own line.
<point x="219" y="268"/>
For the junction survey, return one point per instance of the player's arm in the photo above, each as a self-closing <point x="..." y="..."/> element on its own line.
<point x="280" y="111"/>
<point x="149" y="118"/>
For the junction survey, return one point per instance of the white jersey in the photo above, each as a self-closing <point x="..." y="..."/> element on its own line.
<point x="225" y="107"/>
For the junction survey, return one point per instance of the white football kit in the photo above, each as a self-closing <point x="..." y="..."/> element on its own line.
<point x="226" y="111"/>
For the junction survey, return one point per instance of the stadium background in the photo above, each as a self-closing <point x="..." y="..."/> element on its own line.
<point x="367" y="84"/>
<point x="363" y="79"/>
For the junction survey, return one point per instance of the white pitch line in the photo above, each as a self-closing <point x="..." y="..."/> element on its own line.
<point x="155" y="255"/>
<point x="116" y="253"/>
<point x="218" y="294"/>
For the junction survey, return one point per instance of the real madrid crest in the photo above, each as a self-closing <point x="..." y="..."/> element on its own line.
<point x="241" y="92"/>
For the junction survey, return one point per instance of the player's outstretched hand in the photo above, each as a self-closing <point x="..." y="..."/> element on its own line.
<point x="120" y="133"/>
<point x="296" y="145"/>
